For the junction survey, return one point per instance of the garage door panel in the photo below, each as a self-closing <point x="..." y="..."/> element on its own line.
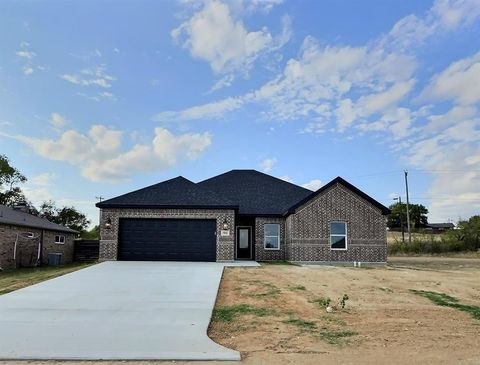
<point x="167" y="240"/>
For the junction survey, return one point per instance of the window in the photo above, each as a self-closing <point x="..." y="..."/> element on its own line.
<point x="243" y="238"/>
<point x="338" y="235"/>
<point x="272" y="236"/>
<point x="60" y="240"/>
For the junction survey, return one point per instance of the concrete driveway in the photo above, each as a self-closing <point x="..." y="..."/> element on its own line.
<point x="116" y="310"/>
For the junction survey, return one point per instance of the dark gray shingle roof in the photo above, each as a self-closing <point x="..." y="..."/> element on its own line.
<point x="18" y="218"/>
<point x="174" y="193"/>
<point x="256" y="193"/>
<point x="440" y="225"/>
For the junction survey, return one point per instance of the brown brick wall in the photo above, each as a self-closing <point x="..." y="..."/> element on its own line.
<point x="261" y="254"/>
<point x="49" y="246"/>
<point x="109" y="237"/>
<point x="27" y="249"/>
<point x="308" y="229"/>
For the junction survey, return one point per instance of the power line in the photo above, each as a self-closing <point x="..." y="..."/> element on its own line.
<point x="420" y="171"/>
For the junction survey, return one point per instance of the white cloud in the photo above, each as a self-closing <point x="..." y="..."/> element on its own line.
<point x="37" y="195"/>
<point x="38" y="188"/>
<point x="267" y="164"/>
<point x="459" y="82"/>
<point x="261" y="5"/>
<point x="214" y="35"/>
<point x="95" y="76"/>
<point x="313" y="185"/>
<point x="455" y="114"/>
<point x="57" y="120"/>
<point x="453" y="158"/>
<point x="44" y="179"/>
<point x="27" y="70"/>
<point x="286" y="178"/>
<point x="443" y="16"/>
<point x="26" y="54"/>
<point x="370" y="88"/>
<point x="100" y="157"/>
<point x="107" y="95"/>
<point x="211" y="110"/>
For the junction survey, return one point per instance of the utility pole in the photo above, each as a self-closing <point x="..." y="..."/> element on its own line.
<point x="401" y="218"/>
<point x="408" y="209"/>
<point x="99" y="198"/>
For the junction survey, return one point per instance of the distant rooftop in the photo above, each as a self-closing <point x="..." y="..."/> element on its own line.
<point x="440" y="225"/>
<point x="16" y="217"/>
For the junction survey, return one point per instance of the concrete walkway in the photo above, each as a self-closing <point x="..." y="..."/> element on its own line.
<point x="114" y="311"/>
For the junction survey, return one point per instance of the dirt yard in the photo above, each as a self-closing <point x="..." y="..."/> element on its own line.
<point x="276" y="314"/>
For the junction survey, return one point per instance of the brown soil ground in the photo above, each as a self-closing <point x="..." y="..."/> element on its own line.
<point x="383" y="321"/>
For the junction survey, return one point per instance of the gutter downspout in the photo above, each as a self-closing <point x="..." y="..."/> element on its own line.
<point x="40" y="249"/>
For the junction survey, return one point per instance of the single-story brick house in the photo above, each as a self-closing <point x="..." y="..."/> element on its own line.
<point x="27" y="240"/>
<point x="243" y="214"/>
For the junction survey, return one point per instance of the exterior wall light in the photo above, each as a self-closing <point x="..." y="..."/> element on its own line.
<point x="225" y="224"/>
<point x="108" y="223"/>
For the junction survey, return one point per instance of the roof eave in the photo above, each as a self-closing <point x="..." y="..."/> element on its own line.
<point x="21" y="224"/>
<point x="338" y="179"/>
<point x="140" y="206"/>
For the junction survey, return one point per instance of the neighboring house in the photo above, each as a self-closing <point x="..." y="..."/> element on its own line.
<point x="26" y="240"/>
<point x="243" y="214"/>
<point x="439" y="227"/>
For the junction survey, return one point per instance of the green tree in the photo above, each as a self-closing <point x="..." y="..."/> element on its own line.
<point x="93" y="234"/>
<point x="66" y="216"/>
<point x="418" y="215"/>
<point x="468" y="231"/>
<point x="10" y="177"/>
<point x="48" y="210"/>
<point x="72" y="218"/>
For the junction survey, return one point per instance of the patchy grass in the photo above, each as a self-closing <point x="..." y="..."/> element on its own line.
<point x="323" y="302"/>
<point x="227" y="313"/>
<point x="14" y="279"/>
<point x="332" y="319"/>
<point x="387" y="290"/>
<point x="279" y="262"/>
<point x="446" y="300"/>
<point x="336" y="337"/>
<point x="307" y="325"/>
<point x="299" y="287"/>
<point x="270" y="290"/>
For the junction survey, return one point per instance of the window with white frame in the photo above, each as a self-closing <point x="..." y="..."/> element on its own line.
<point x="60" y="239"/>
<point x="338" y="235"/>
<point x="271" y="236"/>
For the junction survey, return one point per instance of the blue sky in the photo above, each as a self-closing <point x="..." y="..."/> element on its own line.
<point x="100" y="98"/>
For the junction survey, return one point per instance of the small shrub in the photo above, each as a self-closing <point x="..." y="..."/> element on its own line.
<point x="343" y="301"/>
<point x="445" y="245"/>
<point x="324" y="302"/>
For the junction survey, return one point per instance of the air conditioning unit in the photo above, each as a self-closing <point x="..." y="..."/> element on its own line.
<point x="54" y="259"/>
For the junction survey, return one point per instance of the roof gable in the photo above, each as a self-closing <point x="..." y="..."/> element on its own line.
<point x="339" y="180"/>
<point x="174" y="193"/>
<point x="256" y="193"/>
<point x="15" y="217"/>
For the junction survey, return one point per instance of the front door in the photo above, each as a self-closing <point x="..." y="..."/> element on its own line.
<point x="244" y="243"/>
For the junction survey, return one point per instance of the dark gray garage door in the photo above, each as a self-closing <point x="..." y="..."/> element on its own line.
<point x="167" y="240"/>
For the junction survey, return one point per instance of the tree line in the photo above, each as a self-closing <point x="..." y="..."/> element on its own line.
<point x="11" y="195"/>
